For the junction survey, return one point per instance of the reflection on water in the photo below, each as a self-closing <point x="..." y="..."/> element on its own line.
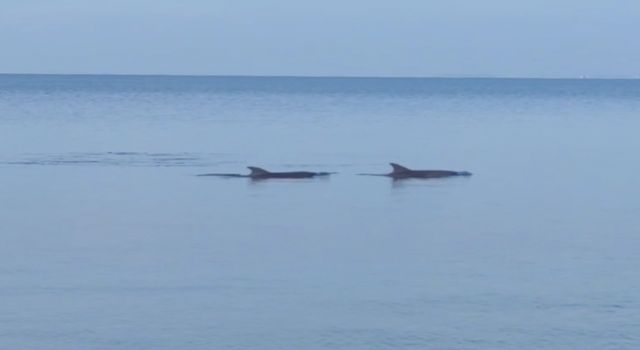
<point x="109" y="240"/>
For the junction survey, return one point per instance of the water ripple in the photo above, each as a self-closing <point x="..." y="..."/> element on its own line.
<point x="126" y="159"/>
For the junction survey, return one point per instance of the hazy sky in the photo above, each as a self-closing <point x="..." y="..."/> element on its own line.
<point x="546" y="38"/>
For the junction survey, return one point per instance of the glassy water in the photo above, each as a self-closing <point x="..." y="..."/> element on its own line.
<point x="109" y="241"/>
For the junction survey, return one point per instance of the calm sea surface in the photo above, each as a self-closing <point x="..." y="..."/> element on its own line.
<point x="109" y="241"/>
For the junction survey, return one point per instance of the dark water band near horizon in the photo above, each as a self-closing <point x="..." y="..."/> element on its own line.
<point x="110" y="241"/>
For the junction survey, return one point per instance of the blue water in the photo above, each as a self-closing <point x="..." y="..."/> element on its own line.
<point x="109" y="241"/>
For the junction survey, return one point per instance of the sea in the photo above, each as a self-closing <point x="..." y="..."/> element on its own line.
<point x="110" y="240"/>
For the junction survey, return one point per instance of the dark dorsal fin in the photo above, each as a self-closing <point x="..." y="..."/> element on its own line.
<point x="255" y="171"/>
<point x="397" y="168"/>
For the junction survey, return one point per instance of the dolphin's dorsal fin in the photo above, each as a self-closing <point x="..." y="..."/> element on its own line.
<point x="255" y="171"/>
<point x="397" y="168"/>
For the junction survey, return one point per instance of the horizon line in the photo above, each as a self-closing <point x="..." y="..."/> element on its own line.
<point x="295" y="76"/>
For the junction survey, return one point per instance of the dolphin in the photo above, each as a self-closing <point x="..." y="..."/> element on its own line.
<point x="262" y="174"/>
<point x="400" y="172"/>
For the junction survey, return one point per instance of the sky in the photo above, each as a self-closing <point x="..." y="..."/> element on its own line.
<point x="400" y="38"/>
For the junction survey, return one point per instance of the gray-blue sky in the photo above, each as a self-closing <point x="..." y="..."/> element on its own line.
<point x="545" y="38"/>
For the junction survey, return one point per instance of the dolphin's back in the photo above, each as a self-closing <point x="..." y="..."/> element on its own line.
<point x="259" y="173"/>
<point x="291" y="175"/>
<point x="401" y="172"/>
<point x="434" y="173"/>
